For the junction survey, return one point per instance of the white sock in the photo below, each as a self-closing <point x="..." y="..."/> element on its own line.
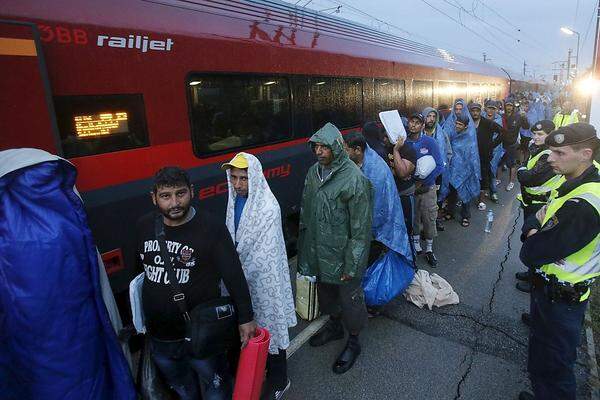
<point x="429" y="245"/>
<point x="417" y="242"/>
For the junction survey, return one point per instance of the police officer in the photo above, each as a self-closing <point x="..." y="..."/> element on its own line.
<point x="562" y="243"/>
<point x="537" y="180"/>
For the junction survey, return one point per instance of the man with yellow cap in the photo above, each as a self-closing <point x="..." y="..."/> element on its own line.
<point x="254" y="221"/>
<point x="561" y="243"/>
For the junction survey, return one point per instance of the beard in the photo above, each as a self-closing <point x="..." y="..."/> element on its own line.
<point x="429" y="125"/>
<point x="176" y="213"/>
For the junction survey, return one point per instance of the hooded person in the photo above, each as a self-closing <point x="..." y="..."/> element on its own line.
<point x="56" y="337"/>
<point x="388" y="226"/>
<point x="465" y="172"/>
<point x="334" y="240"/>
<point x="433" y="129"/>
<point x="253" y="219"/>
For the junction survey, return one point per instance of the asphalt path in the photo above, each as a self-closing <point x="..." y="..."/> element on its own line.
<point x="474" y="350"/>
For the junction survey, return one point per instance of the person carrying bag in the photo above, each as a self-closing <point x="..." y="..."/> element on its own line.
<point x="185" y="255"/>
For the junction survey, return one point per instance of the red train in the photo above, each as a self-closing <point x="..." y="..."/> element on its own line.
<point x="122" y="88"/>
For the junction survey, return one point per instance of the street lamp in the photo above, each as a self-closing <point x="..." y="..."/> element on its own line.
<point x="570" y="32"/>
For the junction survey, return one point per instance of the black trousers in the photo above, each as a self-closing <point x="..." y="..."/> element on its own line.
<point x="277" y="369"/>
<point x="553" y="340"/>
<point x="465" y="209"/>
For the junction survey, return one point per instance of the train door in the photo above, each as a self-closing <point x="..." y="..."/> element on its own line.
<point x="26" y="108"/>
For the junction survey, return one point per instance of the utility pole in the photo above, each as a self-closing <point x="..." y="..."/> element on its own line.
<point x="524" y="67"/>
<point x="569" y="65"/>
<point x="484" y="57"/>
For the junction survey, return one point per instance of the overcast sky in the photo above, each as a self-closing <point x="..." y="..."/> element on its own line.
<point x="490" y="26"/>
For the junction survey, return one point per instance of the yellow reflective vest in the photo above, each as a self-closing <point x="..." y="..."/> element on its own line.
<point x="540" y="194"/>
<point x="561" y="119"/>
<point x="584" y="264"/>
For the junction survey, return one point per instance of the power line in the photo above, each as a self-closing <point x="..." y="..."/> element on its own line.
<point x="358" y="11"/>
<point x="533" y="40"/>
<point x="587" y="30"/>
<point x="481" y="20"/>
<point x="469" y="29"/>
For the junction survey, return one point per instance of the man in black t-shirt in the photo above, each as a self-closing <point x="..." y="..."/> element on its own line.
<point x="202" y="254"/>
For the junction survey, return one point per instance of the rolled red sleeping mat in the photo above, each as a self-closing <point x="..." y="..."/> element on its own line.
<point x="251" y="368"/>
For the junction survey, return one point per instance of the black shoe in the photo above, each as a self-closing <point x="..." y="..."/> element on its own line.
<point x="333" y="330"/>
<point x="523" y="276"/>
<point x="431" y="260"/>
<point x="524" y="286"/>
<point x="439" y="225"/>
<point x="348" y="357"/>
<point x="526" y="318"/>
<point x="526" y="396"/>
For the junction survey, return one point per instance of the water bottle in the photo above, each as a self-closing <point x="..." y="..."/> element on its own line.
<point x="489" y="221"/>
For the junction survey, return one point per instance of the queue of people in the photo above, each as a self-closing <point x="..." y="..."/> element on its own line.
<point x="363" y="197"/>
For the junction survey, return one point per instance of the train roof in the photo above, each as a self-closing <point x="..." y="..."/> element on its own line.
<point x="229" y="21"/>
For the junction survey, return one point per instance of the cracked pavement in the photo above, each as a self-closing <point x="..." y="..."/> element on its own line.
<point x="474" y="350"/>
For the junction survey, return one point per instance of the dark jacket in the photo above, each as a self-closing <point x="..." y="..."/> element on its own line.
<point x="485" y="138"/>
<point x="540" y="173"/>
<point x="512" y="125"/>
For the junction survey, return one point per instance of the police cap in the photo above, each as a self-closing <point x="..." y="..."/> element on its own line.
<point x="544" y="125"/>
<point x="474" y="105"/>
<point x="571" y="134"/>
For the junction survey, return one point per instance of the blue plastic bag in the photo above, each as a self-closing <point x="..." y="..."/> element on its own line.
<point x="386" y="278"/>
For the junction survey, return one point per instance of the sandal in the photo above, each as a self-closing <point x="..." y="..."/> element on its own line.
<point x="481" y="206"/>
<point x="465" y="222"/>
<point x="448" y="216"/>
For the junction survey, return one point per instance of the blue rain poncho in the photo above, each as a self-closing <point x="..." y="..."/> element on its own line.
<point x="388" y="220"/>
<point x="533" y="116"/>
<point x="56" y="337"/>
<point x="464" y="171"/>
<point x="443" y="142"/>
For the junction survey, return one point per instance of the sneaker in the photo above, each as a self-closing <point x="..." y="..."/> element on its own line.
<point x="279" y="393"/>
<point x="510" y="186"/>
<point x="495" y="197"/>
<point x="481" y="206"/>
<point x="498" y="182"/>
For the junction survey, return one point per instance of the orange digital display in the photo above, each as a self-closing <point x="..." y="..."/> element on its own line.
<point x="104" y="124"/>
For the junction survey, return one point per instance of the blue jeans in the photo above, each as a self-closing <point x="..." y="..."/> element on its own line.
<point x="182" y="372"/>
<point x="553" y="339"/>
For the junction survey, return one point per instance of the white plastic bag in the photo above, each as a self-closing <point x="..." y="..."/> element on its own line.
<point x="135" y="298"/>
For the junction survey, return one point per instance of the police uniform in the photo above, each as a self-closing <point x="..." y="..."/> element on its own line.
<point x="565" y="254"/>
<point x="537" y="178"/>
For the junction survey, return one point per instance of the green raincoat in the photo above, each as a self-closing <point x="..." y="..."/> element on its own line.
<point x="335" y="216"/>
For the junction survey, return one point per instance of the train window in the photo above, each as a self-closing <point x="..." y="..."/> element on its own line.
<point x="337" y="100"/>
<point x="475" y="93"/>
<point x="389" y="95"/>
<point x="100" y="123"/>
<point x="236" y="111"/>
<point x="461" y="91"/>
<point x="422" y="95"/>
<point x="445" y="93"/>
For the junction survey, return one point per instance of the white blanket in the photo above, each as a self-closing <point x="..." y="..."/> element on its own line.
<point x="261" y="248"/>
<point x="430" y="290"/>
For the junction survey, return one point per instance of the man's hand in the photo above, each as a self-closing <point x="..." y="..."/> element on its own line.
<point x="541" y="214"/>
<point x="346" y="278"/>
<point x="399" y="143"/>
<point x="532" y="232"/>
<point x="247" y="332"/>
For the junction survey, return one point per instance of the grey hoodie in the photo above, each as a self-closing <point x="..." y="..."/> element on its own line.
<point x="438" y="130"/>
